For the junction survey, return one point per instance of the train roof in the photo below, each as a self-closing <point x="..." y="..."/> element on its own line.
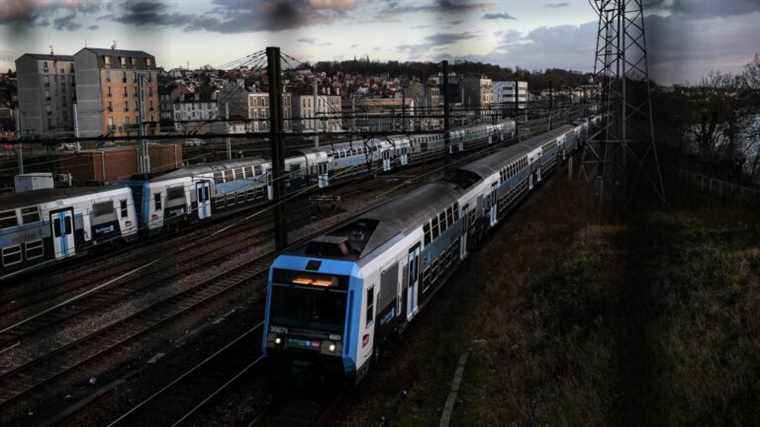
<point x="372" y="230"/>
<point x="489" y="165"/>
<point x="542" y="139"/>
<point x="36" y="197"/>
<point x="207" y="168"/>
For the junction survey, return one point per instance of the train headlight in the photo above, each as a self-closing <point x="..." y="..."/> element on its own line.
<point x="331" y="348"/>
<point x="278" y="340"/>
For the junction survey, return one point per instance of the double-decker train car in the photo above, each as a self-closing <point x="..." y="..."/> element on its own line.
<point x="200" y="192"/>
<point x="332" y="303"/>
<point x="42" y="226"/>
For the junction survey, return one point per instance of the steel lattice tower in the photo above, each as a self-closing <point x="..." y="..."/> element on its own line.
<point x="623" y="154"/>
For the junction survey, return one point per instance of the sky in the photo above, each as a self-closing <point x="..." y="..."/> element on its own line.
<point x="686" y="38"/>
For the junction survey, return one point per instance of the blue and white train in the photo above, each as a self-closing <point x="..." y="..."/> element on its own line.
<point x="198" y="193"/>
<point x="44" y="226"/>
<point x="333" y="303"/>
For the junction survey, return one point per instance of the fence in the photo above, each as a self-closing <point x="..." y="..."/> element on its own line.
<point x="724" y="190"/>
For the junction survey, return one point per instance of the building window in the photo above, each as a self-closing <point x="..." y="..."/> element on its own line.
<point x="109" y="91"/>
<point x="110" y="108"/>
<point x="123" y="61"/>
<point x="107" y="60"/>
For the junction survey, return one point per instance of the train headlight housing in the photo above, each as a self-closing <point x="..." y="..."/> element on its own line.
<point x="331" y="348"/>
<point x="275" y="341"/>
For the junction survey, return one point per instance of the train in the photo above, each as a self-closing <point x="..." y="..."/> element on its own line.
<point x="44" y="227"/>
<point x="335" y="302"/>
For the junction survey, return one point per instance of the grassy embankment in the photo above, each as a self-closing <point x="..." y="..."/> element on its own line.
<point x="657" y="322"/>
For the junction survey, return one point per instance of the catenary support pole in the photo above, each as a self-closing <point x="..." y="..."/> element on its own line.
<point x="446" y="109"/>
<point x="275" y="137"/>
<point x="228" y="140"/>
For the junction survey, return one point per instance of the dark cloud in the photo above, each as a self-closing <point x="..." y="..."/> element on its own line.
<point x="557" y="5"/>
<point x="438" y="6"/>
<point x="501" y="15"/>
<point x="26" y="13"/>
<point x="313" y="42"/>
<point x="449" y="38"/>
<point x="436" y="41"/>
<point x="235" y="16"/>
<point x="93" y="27"/>
<point x="66" y="23"/>
<point x="704" y="8"/>
<point x="148" y="13"/>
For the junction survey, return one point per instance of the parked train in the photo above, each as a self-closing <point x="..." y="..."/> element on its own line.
<point x="41" y="227"/>
<point x="333" y="303"/>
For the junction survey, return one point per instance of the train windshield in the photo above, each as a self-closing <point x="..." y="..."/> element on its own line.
<point x="308" y="308"/>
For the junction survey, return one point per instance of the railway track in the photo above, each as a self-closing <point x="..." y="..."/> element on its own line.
<point x="28" y="380"/>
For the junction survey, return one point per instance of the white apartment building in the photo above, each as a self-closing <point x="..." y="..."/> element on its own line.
<point x="504" y="93"/>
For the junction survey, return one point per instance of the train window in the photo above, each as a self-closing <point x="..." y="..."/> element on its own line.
<point x="34" y="249"/>
<point x="8" y="219"/>
<point x="239" y="173"/>
<point x="456" y="211"/>
<point x="435" y="228"/>
<point x="249" y="172"/>
<point x="11" y="255"/>
<point x="102" y="208"/>
<point x="257" y="170"/>
<point x="442" y="221"/>
<point x="219" y="177"/>
<point x="426" y="230"/>
<point x="157" y="202"/>
<point x="69" y="226"/>
<point x="370" y="305"/>
<point x="123" y="208"/>
<point x="57" y="227"/>
<point x="175" y="193"/>
<point x="449" y="216"/>
<point x="29" y="215"/>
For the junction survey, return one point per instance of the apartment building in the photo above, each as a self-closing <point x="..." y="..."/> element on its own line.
<point x="46" y="94"/>
<point x="116" y="91"/>
<point x="504" y="93"/>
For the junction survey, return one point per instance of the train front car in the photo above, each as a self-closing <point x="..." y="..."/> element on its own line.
<point x="308" y="315"/>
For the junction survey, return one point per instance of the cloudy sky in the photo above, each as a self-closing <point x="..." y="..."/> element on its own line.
<point x="687" y="38"/>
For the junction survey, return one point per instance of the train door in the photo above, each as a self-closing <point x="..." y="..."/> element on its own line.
<point x="538" y="171"/>
<point x="494" y="204"/>
<point x="413" y="283"/>
<point x="204" y="201"/>
<point x="324" y="179"/>
<point x="62" y="225"/>
<point x="404" y="156"/>
<point x="386" y="160"/>
<point x="465" y="228"/>
<point x="270" y="188"/>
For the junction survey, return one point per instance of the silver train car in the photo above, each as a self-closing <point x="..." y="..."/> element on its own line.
<point x="44" y="226"/>
<point x="333" y="303"/>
